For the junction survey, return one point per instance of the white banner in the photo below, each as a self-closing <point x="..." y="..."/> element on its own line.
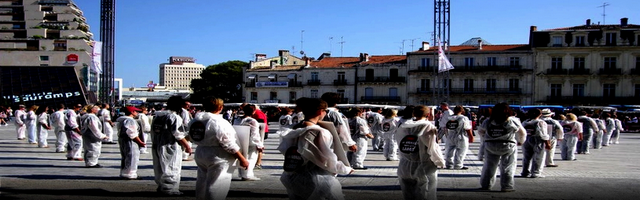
<point x="443" y="62"/>
<point x="96" y="57"/>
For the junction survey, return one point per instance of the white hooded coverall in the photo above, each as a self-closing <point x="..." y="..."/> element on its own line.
<point x="105" y="115"/>
<point x="145" y="126"/>
<point x="74" y="138"/>
<point x="43" y="133"/>
<point x="166" y="151"/>
<point x="57" y="120"/>
<point x="457" y="143"/>
<point x="568" y="146"/>
<point x="30" y="122"/>
<point x="20" y="117"/>
<point x="91" y="138"/>
<point x="359" y="130"/>
<point x="500" y="140"/>
<point x="129" y="149"/>
<point x="533" y="149"/>
<point x="254" y="143"/>
<point x="389" y="127"/>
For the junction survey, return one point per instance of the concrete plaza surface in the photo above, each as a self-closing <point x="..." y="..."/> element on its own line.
<point x="28" y="172"/>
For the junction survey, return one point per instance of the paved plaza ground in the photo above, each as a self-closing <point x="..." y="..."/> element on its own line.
<point x="28" y="172"/>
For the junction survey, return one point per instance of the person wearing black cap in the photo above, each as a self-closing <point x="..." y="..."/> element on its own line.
<point x="130" y="143"/>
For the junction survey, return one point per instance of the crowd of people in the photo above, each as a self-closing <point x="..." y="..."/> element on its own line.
<point x="318" y="141"/>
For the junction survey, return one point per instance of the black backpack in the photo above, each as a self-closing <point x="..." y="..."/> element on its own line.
<point x="197" y="131"/>
<point x="293" y="161"/>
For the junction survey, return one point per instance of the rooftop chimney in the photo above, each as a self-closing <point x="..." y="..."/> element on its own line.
<point x="588" y="22"/>
<point x="624" y="21"/>
<point x="307" y="62"/>
<point x="283" y="52"/>
<point x="425" y="46"/>
<point x="273" y="64"/>
<point x="479" y="44"/>
<point x="260" y="56"/>
<point x="324" y="55"/>
<point x="366" y="57"/>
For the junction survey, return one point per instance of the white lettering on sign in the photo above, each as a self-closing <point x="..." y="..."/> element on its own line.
<point x="41" y="96"/>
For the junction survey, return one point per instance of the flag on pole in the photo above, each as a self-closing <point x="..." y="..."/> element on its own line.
<point x="443" y="62"/>
<point x="96" y="57"/>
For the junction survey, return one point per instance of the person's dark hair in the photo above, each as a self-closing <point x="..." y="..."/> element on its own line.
<point x="421" y="111"/>
<point x="534" y="113"/>
<point x="60" y="106"/>
<point x="41" y="109"/>
<point x="606" y="115"/>
<point x="407" y="113"/>
<point x="458" y="110"/>
<point x="210" y="104"/>
<point x="310" y="106"/>
<point x="595" y="116"/>
<point x="248" y="111"/>
<point x="486" y="112"/>
<point x="175" y="104"/>
<point x="285" y="111"/>
<point x="353" y="113"/>
<point x="500" y="112"/>
<point x="103" y="105"/>
<point x="583" y="112"/>
<point x="331" y="98"/>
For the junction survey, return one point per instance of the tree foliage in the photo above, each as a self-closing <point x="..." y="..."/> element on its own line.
<point x="220" y="80"/>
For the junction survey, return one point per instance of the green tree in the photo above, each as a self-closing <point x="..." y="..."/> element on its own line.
<point x="220" y="80"/>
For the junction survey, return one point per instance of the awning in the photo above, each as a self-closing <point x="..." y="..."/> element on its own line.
<point x="272" y="76"/>
<point x="252" y="76"/>
<point x="291" y="76"/>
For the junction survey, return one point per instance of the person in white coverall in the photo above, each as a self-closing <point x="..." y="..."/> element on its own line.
<point x="30" y="121"/>
<point x="186" y="118"/>
<point x="610" y="125"/>
<point x="57" y="121"/>
<point x="555" y="136"/>
<point x="74" y="136"/>
<point x="130" y="143"/>
<point x="572" y="134"/>
<point x="501" y="134"/>
<point x="20" y="116"/>
<point x="597" y="136"/>
<point x="442" y="122"/>
<point x="216" y="153"/>
<point x="334" y="116"/>
<point x="534" y="146"/>
<point x="145" y="127"/>
<point x="255" y="143"/>
<point x="360" y="133"/>
<point x="168" y="141"/>
<point x="107" y="125"/>
<point x="589" y="128"/>
<point x="459" y="135"/>
<point x="389" y="127"/>
<point x="92" y="137"/>
<point x="616" y="134"/>
<point x="419" y="163"/>
<point x="315" y="178"/>
<point x="374" y="119"/>
<point x="43" y="126"/>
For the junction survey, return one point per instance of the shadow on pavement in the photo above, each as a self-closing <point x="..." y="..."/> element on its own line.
<point x="373" y="187"/>
<point x="79" y="177"/>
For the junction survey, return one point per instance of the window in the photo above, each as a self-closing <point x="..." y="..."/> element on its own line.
<point x="556" y="90"/>
<point x="314" y="76"/>
<point x="609" y="90"/>
<point x="468" y="85"/>
<point x="556" y="63"/>
<point x="341" y="96"/>
<point x="514" y="61"/>
<point x="44" y="58"/>
<point x="557" y="41"/>
<point x="579" y="40"/>
<point x="393" y="74"/>
<point x="393" y="92"/>
<point x="578" y="90"/>
<point x="514" y="84"/>
<point x="368" y="92"/>
<point x="273" y="95"/>
<point x="491" y="61"/>
<point x="424" y="85"/>
<point x="610" y="39"/>
<point x="637" y="91"/>
<point x="491" y="85"/>
<point x="425" y="62"/>
<point x="609" y="62"/>
<point x="254" y="96"/>
<point x="341" y="76"/>
<point x="578" y="63"/>
<point x="292" y="96"/>
<point x="637" y="62"/>
<point x="314" y="93"/>
<point x="446" y="83"/>
<point x="369" y="74"/>
<point x="468" y="62"/>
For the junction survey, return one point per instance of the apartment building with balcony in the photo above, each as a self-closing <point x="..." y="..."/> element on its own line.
<point x="382" y="79"/>
<point x="179" y="72"/>
<point x="46" y="33"/>
<point x="589" y="64"/>
<point x="483" y="74"/>
<point x="274" y="80"/>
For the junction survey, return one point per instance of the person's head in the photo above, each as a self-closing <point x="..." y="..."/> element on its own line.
<point x="60" y="106"/>
<point x="286" y="111"/>
<point x="42" y="109"/>
<point x="331" y="98"/>
<point x="458" y="110"/>
<point x="93" y="109"/>
<point x="547" y="113"/>
<point x="444" y="106"/>
<point x="595" y="116"/>
<point x="571" y="117"/>
<point x="501" y="112"/>
<point x="186" y="105"/>
<point x="390" y="113"/>
<point x="354" y="112"/>
<point x="562" y="117"/>
<point x="534" y="113"/>
<point x="21" y="107"/>
<point x="212" y="104"/>
<point x="583" y="113"/>
<point x="175" y="103"/>
<point x="421" y="112"/>
<point x="144" y="110"/>
<point x="249" y="110"/>
<point x="312" y="107"/>
<point x="105" y="105"/>
<point x="77" y="107"/>
<point x="606" y="116"/>
<point x="131" y="111"/>
<point x="407" y="113"/>
<point x="33" y="108"/>
<point x="376" y="109"/>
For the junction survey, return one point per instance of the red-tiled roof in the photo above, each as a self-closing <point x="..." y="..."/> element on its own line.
<point x="330" y="62"/>
<point x="585" y="27"/>
<point x="277" y="68"/>
<point x="505" y="47"/>
<point x="386" y="59"/>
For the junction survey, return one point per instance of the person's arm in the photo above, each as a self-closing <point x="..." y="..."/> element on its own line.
<point x="18" y="117"/>
<point x="42" y="119"/>
<point x="225" y="134"/>
<point x="175" y="128"/>
<point x="469" y="129"/>
<point x="94" y="125"/>
<point x="131" y="127"/>
<point x="255" y="134"/>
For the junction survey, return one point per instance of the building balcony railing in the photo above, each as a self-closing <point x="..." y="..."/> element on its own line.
<point x="381" y="79"/>
<point x="422" y="69"/>
<point x="635" y="71"/>
<point x="272" y="100"/>
<point x="596" y="100"/>
<point x="340" y="82"/>
<point x="424" y="91"/>
<point x="313" y="82"/>
<point x="556" y="72"/>
<point x="54" y="2"/>
<point x="250" y="85"/>
<point x="485" y="91"/>
<point x="295" y="84"/>
<point x="610" y="71"/>
<point x="380" y="98"/>
<point x="484" y="68"/>
<point x="579" y="71"/>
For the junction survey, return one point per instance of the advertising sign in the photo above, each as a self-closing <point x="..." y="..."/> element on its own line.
<point x="272" y="84"/>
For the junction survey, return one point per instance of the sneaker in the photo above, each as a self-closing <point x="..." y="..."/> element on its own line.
<point x="462" y="168"/>
<point x="144" y="152"/>
<point x="616" y="142"/>
<point x="176" y="193"/>
<point x="449" y="167"/>
<point x="94" y="166"/>
<point x="508" y="190"/>
<point x="258" y="166"/>
<point x="78" y="159"/>
<point x="360" y="168"/>
<point x="251" y="179"/>
<point x="524" y="175"/>
<point x="130" y="179"/>
<point x="552" y="166"/>
<point x="538" y="176"/>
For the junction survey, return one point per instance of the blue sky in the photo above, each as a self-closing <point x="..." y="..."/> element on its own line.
<point x="148" y="32"/>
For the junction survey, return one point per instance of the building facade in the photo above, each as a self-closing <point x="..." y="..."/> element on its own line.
<point x="41" y="33"/>
<point x="483" y="74"/>
<point x="588" y="64"/>
<point x="178" y="73"/>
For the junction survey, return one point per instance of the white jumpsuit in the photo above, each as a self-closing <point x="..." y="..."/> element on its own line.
<point x="145" y="126"/>
<point x="186" y="118"/>
<point x="316" y="178"/>
<point x="74" y="138"/>
<point x="30" y="122"/>
<point x="166" y="151"/>
<point x="254" y="143"/>
<point x="556" y="134"/>
<point x="57" y="121"/>
<point x="91" y="138"/>
<point x="418" y="172"/>
<point x="533" y="149"/>
<point x="43" y="133"/>
<point x="214" y="157"/>
<point x="375" y="124"/>
<point x="389" y="127"/>
<point x="568" y="146"/>
<point x="20" y="117"/>
<point x="129" y="149"/>
<point x="611" y="127"/>
<point x="500" y="140"/>
<point x="105" y="115"/>
<point x="359" y="129"/>
<point x="457" y="143"/>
